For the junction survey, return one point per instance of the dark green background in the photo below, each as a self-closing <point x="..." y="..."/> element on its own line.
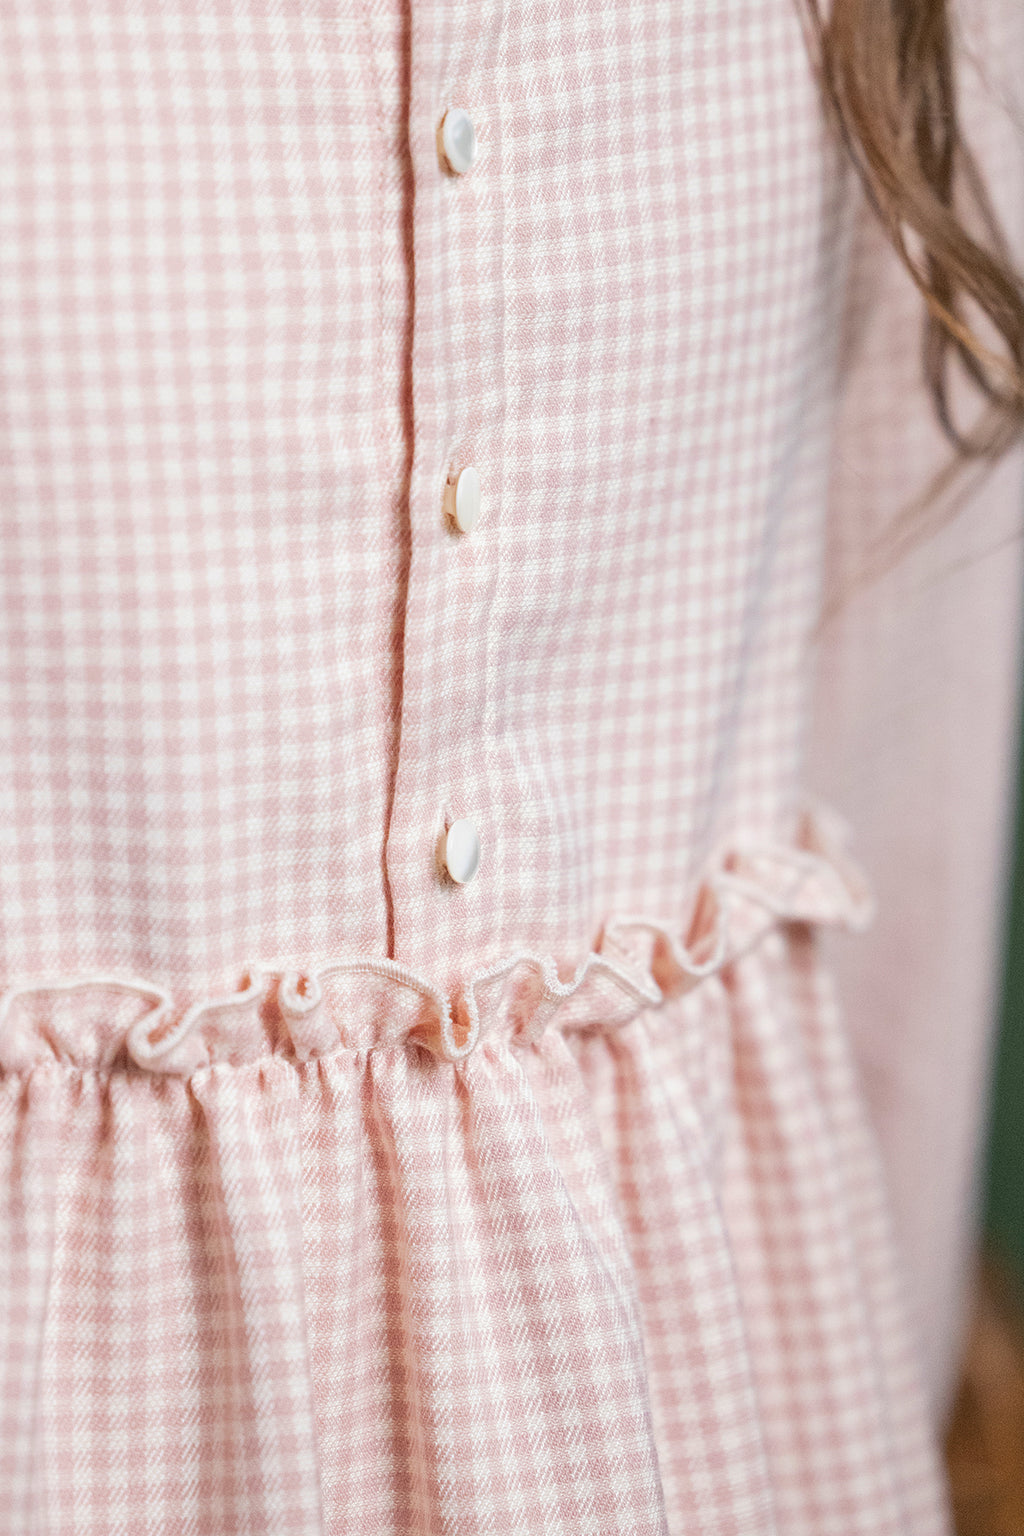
<point x="1005" y="1178"/>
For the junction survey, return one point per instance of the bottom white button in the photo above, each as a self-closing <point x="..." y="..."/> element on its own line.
<point x="462" y="851"/>
<point x="464" y="500"/>
<point x="458" y="140"/>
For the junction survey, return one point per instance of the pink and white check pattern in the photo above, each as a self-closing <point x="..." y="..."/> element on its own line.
<point x="335" y="1198"/>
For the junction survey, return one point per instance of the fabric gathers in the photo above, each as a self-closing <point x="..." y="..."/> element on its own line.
<point x="364" y="1003"/>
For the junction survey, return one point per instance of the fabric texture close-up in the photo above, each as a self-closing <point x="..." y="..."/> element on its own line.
<point x="428" y="435"/>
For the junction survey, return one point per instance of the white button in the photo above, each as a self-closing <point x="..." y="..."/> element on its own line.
<point x="462" y="851"/>
<point x="458" y="140"/>
<point x="464" y="500"/>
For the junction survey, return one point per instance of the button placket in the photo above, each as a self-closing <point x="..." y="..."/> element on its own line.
<point x="445" y="773"/>
<point x="459" y="847"/>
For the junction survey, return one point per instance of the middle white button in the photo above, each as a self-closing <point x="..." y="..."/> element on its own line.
<point x="458" y="140"/>
<point x="464" y="500"/>
<point x="462" y="851"/>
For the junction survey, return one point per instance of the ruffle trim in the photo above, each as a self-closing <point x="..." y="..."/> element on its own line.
<point x="358" y="1003"/>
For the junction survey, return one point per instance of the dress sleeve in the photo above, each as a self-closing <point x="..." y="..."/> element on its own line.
<point x="914" y="723"/>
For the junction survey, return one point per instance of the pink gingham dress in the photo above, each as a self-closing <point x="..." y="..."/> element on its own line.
<point x="339" y="1197"/>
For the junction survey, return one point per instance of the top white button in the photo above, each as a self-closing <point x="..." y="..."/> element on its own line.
<point x="458" y="140"/>
<point x="464" y="500"/>
<point x="462" y="851"/>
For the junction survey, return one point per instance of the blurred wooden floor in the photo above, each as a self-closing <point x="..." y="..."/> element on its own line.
<point x="985" y="1447"/>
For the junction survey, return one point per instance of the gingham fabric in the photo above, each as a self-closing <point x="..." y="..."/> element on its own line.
<point x="914" y="724"/>
<point x="337" y="1197"/>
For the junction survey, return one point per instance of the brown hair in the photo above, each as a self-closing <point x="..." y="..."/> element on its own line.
<point x="886" y="70"/>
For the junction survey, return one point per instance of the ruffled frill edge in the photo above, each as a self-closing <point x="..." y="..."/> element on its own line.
<point x="358" y="1002"/>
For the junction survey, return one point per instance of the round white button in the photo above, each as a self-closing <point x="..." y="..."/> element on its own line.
<point x="464" y="500"/>
<point x="458" y="140"/>
<point x="462" y="851"/>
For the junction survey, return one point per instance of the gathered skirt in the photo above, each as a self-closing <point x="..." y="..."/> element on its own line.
<point x="588" y="1255"/>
